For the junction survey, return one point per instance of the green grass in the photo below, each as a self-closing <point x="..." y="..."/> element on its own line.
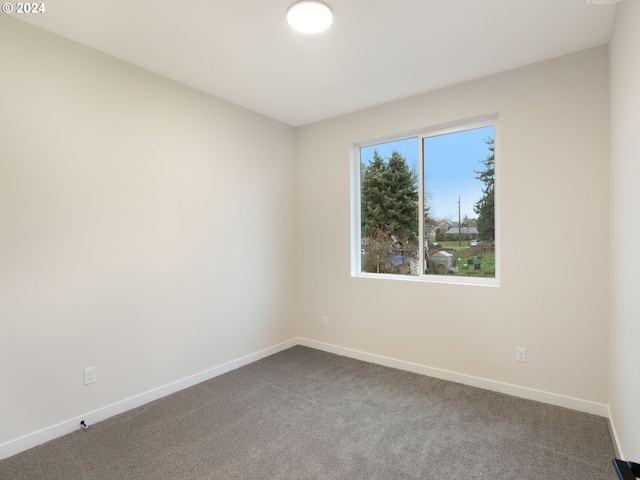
<point x="487" y="267"/>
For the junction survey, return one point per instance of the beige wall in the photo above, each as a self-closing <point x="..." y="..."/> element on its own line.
<point x="146" y="229"/>
<point x="553" y="193"/>
<point x="624" y="394"/>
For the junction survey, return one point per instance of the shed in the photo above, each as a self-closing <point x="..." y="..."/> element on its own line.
<point x="441" y="262"/>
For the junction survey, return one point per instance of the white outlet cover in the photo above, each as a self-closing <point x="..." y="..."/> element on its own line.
<point x="89" y="375"/>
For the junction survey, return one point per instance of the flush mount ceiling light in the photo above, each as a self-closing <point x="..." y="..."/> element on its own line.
<point x="309" y="16"/>
<point x="602" y="2"/>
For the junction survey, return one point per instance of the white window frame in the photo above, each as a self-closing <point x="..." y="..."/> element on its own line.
<point x="421" y="134"/>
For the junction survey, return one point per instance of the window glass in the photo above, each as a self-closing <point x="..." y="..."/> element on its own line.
<point x="390" y="206"/>
<point x="459" y="183"/>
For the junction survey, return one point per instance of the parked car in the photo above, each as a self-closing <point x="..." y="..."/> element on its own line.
<point x="473" y="243"/>
<point x="433" y="245"/>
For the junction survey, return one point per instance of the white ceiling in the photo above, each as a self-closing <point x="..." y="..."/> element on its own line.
<point x="375" y="51"/>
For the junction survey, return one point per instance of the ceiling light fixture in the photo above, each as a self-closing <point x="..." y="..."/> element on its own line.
<point x="309" y="16"/>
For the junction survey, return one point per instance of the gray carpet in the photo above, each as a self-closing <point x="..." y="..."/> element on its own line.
<point x="307" y="414"/>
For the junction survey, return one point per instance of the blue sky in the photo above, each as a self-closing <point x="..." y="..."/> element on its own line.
<point x="450" y="162"/>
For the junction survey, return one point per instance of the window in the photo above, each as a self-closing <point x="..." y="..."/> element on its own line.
<point x="425" y="205"/>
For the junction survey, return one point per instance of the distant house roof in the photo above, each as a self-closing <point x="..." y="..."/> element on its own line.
<point x="443" y="222"/>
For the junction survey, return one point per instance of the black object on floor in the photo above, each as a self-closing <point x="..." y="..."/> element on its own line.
<point x="627" y="470"/>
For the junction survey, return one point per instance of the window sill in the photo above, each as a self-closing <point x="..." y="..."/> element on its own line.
<point x="445" y="279"/>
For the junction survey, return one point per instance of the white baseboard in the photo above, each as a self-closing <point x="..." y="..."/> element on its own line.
<point x="515" y="390"/>
<point x="614" y="437"/>
<point x="50" y="433"/>
<point x="31" y="440"/>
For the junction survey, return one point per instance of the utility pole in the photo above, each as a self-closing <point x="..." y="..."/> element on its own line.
<point x="459" y="225"/>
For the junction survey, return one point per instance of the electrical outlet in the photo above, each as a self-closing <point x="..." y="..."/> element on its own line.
<point x="521" y="354"/>
<point x="89" y="375"/>
<point x="325" y="321"/>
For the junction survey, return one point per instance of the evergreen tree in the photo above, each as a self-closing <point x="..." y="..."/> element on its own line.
<point x="389" y="192"/>
<point x="485" y="207"/>
<point x="389" y="200"/>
